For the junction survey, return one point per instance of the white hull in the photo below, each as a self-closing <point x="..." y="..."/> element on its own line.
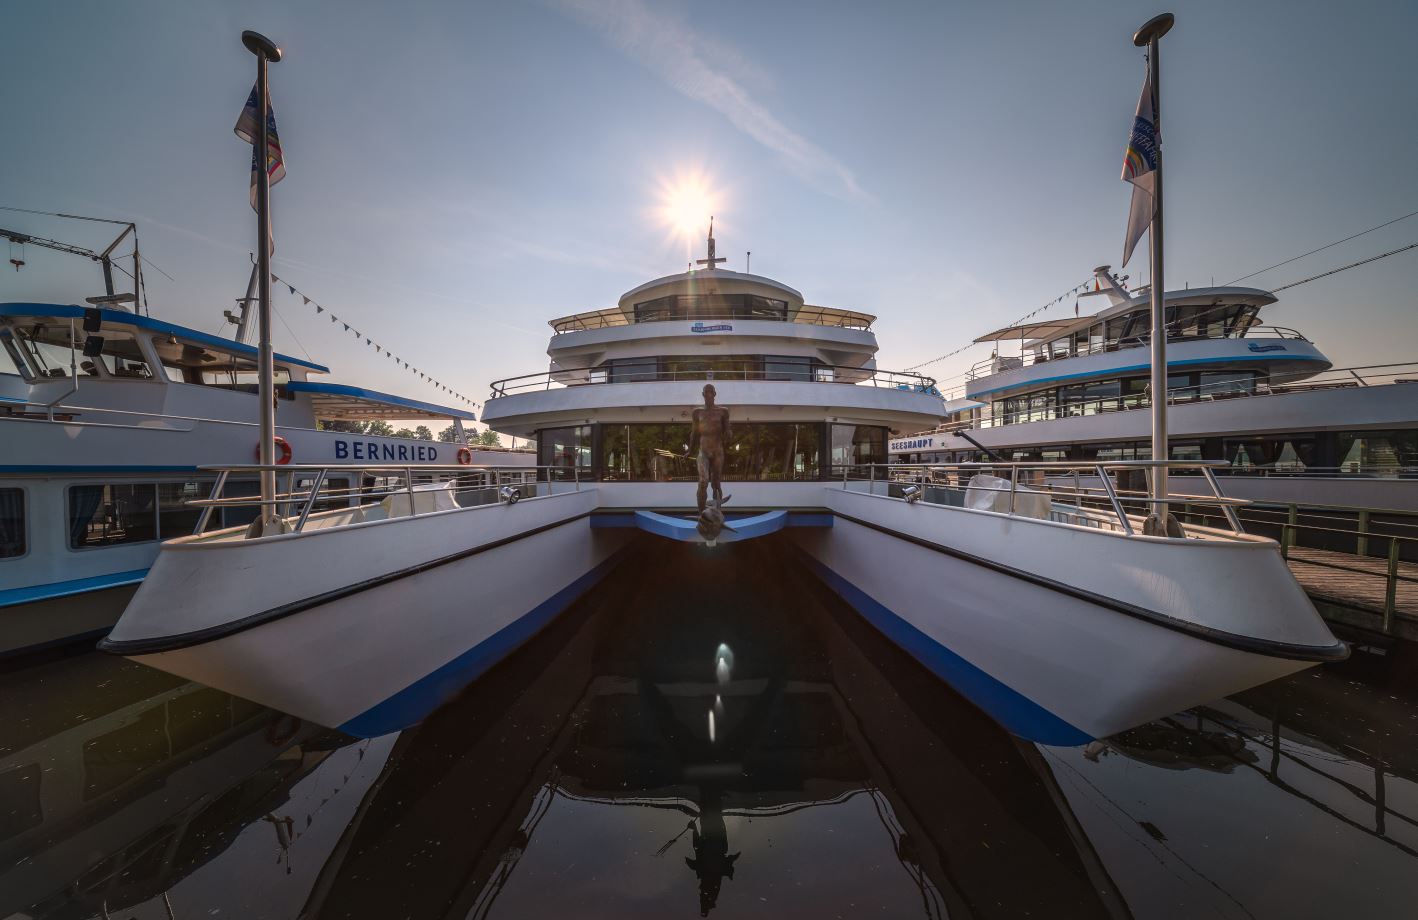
<point x="373" y="658"/>
<point x="1040" y="654"/>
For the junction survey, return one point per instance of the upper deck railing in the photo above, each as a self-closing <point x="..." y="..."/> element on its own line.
<point x="815" y="316"/>
<point x="998" y="365"/>
<point x="1239" y="387"/>
<point x="743" y="370"/>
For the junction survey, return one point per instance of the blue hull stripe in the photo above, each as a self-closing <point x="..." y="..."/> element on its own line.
<point x="411" y="704"/>
<point x="13" y="596"/>
<point x="1007" y="706"/>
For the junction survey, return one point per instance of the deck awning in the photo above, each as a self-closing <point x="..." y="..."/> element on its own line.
<point x="340" y="402"/>
<point x="1040" y="330"/>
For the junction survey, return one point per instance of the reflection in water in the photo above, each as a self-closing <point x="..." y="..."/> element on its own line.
<point x="736" y="749"/>
<point x="747" y="748"/>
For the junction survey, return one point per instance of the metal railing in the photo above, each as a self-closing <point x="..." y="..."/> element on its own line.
<point x="995" y="365"/>
<point x="306" y="486"/>
<point x="1242" y="387"/>
<point x="1103" y="506"/>
<point x="743" y="370"/>
<point x="816" y="316"/>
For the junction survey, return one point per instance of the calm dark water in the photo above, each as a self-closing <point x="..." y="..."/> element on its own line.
<point x="707" y="733"/>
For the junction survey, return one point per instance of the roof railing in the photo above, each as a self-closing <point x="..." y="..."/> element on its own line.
<point x="1001" y="363"/>
<point x="741" y="370"/>
<point x="1239" y="387"/>
<point x="816" y="316"/>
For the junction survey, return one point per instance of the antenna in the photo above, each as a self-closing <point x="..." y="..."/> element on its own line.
<point x="748" y="262"/>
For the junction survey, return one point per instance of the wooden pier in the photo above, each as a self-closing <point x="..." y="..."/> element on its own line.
<point x="1360" y="591"/>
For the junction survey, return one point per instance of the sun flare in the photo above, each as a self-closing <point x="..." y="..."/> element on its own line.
<point x="686" y="202"/>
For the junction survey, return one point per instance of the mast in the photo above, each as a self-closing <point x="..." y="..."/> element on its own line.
<point x="269" y="521"/>
<point x="1159" y="520"/>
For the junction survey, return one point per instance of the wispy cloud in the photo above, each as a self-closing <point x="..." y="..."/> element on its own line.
<point x="681" y="57"/>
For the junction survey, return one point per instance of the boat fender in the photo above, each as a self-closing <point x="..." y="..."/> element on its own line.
<point x="465" y="456"/>
<point x="283" y="451"/>
<point x="281" y="730"/>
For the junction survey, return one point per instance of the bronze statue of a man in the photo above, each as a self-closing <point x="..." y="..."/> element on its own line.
<point x="709" y="435"/>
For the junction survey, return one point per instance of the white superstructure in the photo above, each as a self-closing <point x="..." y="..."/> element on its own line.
<point x="106" y="420"/>
<point x="1264" y="399"/>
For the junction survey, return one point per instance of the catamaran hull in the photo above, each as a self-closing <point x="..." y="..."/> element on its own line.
<point x="1052" y="662"/>
<point x="379" y="655"/>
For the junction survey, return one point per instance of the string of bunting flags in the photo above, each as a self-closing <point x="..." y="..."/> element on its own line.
<point x="369" y="342"/>
<point x="1090" y="284"/>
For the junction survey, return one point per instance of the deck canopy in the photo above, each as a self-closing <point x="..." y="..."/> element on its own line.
<point x="1040" y="330"/>
<point x="340" y="402"/>
<point x="50" y="324"/>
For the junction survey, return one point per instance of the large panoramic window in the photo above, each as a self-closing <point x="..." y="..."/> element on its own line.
<point x="1381" y="453"/>
<point x="12" y="523"/>
<point x="779" y="451"/>
<point x="854" y="445"/>
<point x="710" y="306"/>
<point x="565" y="449"/>
<point x="647" y="453"/>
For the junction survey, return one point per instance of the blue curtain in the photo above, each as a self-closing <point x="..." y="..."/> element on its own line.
<point x="83" y="502"/>
<point x="12" y="522"/>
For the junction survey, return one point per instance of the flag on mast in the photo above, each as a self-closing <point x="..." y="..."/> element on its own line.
<point x="1140" y="168"/>
<point x="248" y="129"/>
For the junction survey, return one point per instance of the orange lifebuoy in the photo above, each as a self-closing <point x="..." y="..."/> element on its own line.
<point x="465" y="456"/>
<point x="283" y="451"/>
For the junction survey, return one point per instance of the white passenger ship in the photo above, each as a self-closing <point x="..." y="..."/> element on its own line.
<point x="1053" y="613"/>
<point x="107" y="418"/>
<point x="1290" y="426"/>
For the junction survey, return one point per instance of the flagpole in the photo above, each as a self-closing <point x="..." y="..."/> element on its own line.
<point x="270" y="522"/>
<point x="1159" y="520"/>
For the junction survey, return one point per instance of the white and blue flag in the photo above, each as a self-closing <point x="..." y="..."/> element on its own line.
<point x="1140" y="167"/>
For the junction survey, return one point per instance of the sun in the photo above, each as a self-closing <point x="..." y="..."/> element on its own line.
<point x="686" y="202"/>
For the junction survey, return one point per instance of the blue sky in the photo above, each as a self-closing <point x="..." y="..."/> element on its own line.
<point x="459" y="173"/>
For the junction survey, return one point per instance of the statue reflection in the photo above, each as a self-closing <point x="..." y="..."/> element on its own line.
<point x="610" y="709"/>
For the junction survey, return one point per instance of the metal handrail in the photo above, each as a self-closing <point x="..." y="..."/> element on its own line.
<point x="614" y="318"/>
<point x="984" y="368"/>
<point x="487" y="476"/>
<point x="934" y="474"/>
<point x="1346" y="377"/>
<point x="815" y="373"/>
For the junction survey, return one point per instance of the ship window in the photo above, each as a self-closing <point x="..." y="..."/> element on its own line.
<point x="12" y="523"/>
<point x="711" y="306"/>
<point x="107" y="515"/>
<point x="1383" y="453"/>
<point x="787" y="367"/>
<point x="120" y="358"/>
<point x="565" y="449"/>
<point x="647" y="453"/>
<point x="174" y="516"/>
<point x="857" y="445"/>
<point x="1227" y="383"/>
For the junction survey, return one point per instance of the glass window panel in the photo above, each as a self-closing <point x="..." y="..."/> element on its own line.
<point x="12" y="523"/>
<point x="106" y="515"/>
<point x="565" y="449"/>
<point x="175" y="518"/>
<point x="1225" y="383"/>
<point x="857" y="445"/>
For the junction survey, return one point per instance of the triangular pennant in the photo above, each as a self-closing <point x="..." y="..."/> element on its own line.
<point x="307" y="300"/>
<point x="347" y="326"/>
<point x="292" y="289"/>
<point x="318" y="308"/>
